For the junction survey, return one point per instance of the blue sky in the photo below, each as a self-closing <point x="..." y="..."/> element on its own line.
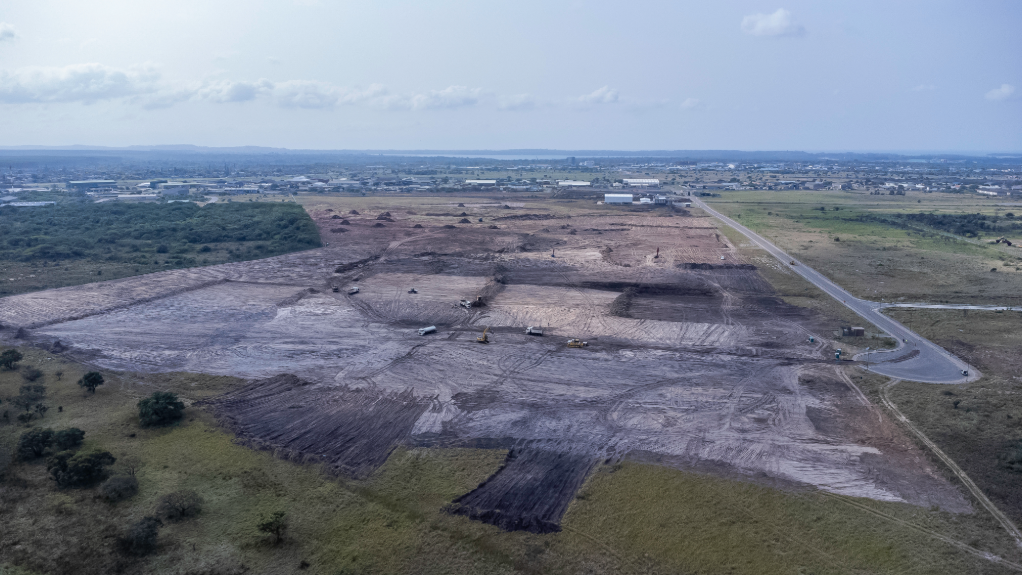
<point x="815" y="76"/>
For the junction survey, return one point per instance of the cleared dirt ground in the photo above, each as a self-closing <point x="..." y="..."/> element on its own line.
<point x="692" y="360"/>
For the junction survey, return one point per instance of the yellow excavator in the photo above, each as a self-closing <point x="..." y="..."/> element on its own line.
<point x="485" y="338"/>
<point x="577" y="343"/>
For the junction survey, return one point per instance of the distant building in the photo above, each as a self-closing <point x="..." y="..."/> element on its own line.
<point x="642" y="182"/>
<point x="480" y="182"/>
<point x="82" y="185"/>
<point x="572" y="183"/>
<point x="617" y="199"/>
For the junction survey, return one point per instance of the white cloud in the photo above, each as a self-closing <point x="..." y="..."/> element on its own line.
<point x="1002" y="93"/>
<point x="228" y="91"/>
<point x="76" y="83"/>
<point x="602" y="95"/>
<point x="689" y="103"/>
<point x="450" y="97"/>
<point x="924" y="88"/>
<point x="517" y="102"/>
<point x="780" y="23"/>
<point x="7" y="32"/>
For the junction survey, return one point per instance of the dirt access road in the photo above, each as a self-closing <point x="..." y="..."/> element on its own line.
<point x="693" y="361"/>
<point x="915" y="358"/>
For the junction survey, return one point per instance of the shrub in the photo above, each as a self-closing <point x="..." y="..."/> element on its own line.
<point x="34" y="442"/>
<point x="118" y="488"/>
<point x="274" y="525"/>
<point x="10" y="357"/>
<point x="91" y="381"/>
<point x="69" y="438"/>
<point x="30" y="373"/>
<point x="160" y="408"/>
<point x="179" y="505"/>
<point x="141" y="536"/>
<point x="70" y="469"/>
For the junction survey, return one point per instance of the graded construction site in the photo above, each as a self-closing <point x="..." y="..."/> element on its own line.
<point x="692" y="360"/>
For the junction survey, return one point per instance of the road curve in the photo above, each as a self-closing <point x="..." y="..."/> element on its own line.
<point x="915" y="358"/>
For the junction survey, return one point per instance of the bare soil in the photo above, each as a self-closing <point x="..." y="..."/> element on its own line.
<point x="705" y="365"/>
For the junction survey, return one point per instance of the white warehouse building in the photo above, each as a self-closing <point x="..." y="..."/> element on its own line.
<point x="572" y="183"/>
<point x="617" y="199"/>
<point x="642" y="182"/>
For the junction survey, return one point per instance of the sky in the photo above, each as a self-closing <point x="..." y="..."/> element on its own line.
<point x="904" y="76"/>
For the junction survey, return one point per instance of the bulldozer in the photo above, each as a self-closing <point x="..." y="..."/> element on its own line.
<point x="575" y="342"/>
<point x="485" y="338"/>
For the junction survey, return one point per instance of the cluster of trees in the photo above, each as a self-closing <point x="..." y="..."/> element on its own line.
<point x="968" y="225"/>
<point x="125" y="232"/>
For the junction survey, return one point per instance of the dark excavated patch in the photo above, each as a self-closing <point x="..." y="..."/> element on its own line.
<point x="530" y="492"/>
<point x="352" y="431"/>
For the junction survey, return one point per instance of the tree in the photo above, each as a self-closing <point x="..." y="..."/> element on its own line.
<point x="274" y="525"/>
<point x="91" y="381"/>
<point x="69" y="438"/>
<point x="10" y="357"/>
<point x="30" y="373"/>
<point x="41" y="410"/>
<point x="118" y="488"/>
<point x="70" y="469"/>
<point x="140" y="538"/>
<point x="160" y="408"/>
<point x="179" y="505"/>
<point x="29" y="395"/>
<point x="34" y="442"/>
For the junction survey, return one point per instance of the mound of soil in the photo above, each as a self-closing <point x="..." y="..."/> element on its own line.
<point x="461" y="205"/>
<point x="378" y="225"/>
<point x="353" y="212"/>
<point x="335" y="217"/>
<point x="463" y="214"/>
<point x="337" y="230"/>
<point x="449" y="227"/>
<point x="528" y="216"/>
<point x="352" y="265"/>
<point x="417" y="226"/>
<point x="493" y="227"/>
<point x="345" y="223"/>
<point x="464" y="221"/>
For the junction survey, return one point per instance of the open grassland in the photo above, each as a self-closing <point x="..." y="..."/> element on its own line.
<point x="979" y="424"/>
<point x="862" y="243"/>
<point x="75" y="243"/>
<point x="629" y="518"/>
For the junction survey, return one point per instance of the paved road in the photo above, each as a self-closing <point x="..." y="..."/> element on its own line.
<point x="916" y="359"/>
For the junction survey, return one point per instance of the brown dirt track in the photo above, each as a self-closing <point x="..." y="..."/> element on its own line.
<point x="700" y="367"/>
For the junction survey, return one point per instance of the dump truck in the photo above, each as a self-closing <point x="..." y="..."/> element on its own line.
<point x="575" y="342"/>
<point x="485" y="338"/>
<point x="425" y="330"/>
<point x="477" y="302"/>
<point x="534" y="331"/>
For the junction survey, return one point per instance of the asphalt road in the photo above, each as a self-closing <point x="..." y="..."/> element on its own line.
<point x="916" y="358"/>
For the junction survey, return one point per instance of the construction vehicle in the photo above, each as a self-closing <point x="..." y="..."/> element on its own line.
<point x="485" y="338"/>
<point x="793" y="263"/>
<point x="477" y="302"/>
<point x="413" y="290"/>
<point x="575" y="342"/>
<point x="534" y="331"/>
<point x="1006" y="241"/>
<point x="353" y="290"/>
<point x="425" y="330"/>
<point x="837" y="355"/>
<point x="336" y="289"/>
